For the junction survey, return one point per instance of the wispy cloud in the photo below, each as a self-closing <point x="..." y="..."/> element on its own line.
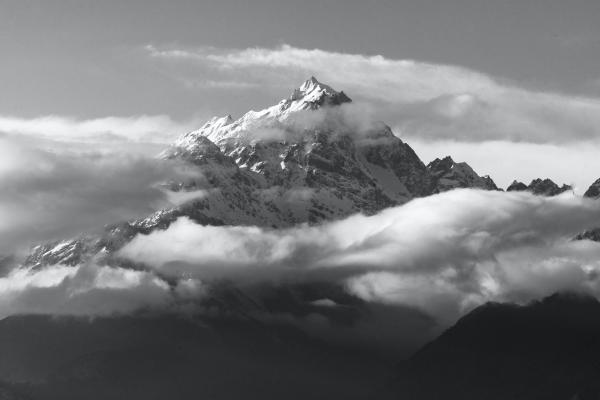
<point x="421" y="99"/>
<point x="89" y="290"/>
<point x="53" y="193"/>
<point x="148" y="128"/>
<point x="217" y="84"/>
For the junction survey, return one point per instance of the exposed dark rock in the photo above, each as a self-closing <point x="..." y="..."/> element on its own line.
<point x="594" y="190"/>
<point x="448" y="174"/>
<point x="540" y="187"/>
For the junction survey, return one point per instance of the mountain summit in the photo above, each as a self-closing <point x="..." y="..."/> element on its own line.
<point x="301" y="160"/>
<point x="276" y="119"/>
<point x="313" y="94"/>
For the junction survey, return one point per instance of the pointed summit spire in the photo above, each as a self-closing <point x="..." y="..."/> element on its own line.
<point x="317" y="94"/>
<point x="312" y="83"/>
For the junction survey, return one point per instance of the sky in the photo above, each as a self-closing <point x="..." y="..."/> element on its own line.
<point x="91" y="91"/>
<point x="86" y="58"/>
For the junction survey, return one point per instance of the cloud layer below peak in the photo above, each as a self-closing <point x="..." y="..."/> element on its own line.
<point x="443" y="254"/>
<point x="440" y="256"/>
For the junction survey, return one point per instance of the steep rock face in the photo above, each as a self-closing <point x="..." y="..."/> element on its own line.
<point x="517" y="186"/>
<point x="594" y="190"/>
<point x="540" y="187"/>
<point x="547" y="349"/>
<point x="448" y="174"/>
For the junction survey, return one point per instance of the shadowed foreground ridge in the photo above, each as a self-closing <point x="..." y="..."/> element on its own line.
<point x="242" y="346"/>
<point x="548" y="349"/>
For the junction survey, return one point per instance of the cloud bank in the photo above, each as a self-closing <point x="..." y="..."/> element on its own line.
<point x="48" y="194"/>
<point x="89" y="290"/>
<point x="144" y="128"/>
<point x="443" y="254"/>
<point x="420" y="265"/>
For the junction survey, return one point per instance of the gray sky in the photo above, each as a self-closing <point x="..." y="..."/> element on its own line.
<point x="522" y="73"/>
<point x="83" y="58"/>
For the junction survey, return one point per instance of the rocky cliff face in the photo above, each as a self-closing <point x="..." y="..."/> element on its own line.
<point x="448" y="174"/>
<point x="593" y="191"/>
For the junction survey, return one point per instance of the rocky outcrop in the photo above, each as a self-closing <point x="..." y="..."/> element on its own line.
<point x="540" y="187"/>
<point x="448" y="174"/>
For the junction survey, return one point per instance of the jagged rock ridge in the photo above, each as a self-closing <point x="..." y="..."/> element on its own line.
<point x="449" y="175"/>
<point x="540" y="187"/>
<point x="593" y="192"/>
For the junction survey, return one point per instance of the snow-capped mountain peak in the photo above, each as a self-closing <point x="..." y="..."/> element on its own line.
<point x="294" y="162"/>
<point x="271" y="121"/>
<point x="313" y="94"/>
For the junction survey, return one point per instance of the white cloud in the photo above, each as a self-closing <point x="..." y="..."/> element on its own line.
<point x="49" y="194"/>
<point x="93" y="289"/>
<point x="148" y="128"/>
<point x="88" y="290"/>
<point x="442" y="254"/>
<point x="422" y="99"/>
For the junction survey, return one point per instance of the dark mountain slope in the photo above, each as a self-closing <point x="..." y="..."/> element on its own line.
<point x="548" y="349"/>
